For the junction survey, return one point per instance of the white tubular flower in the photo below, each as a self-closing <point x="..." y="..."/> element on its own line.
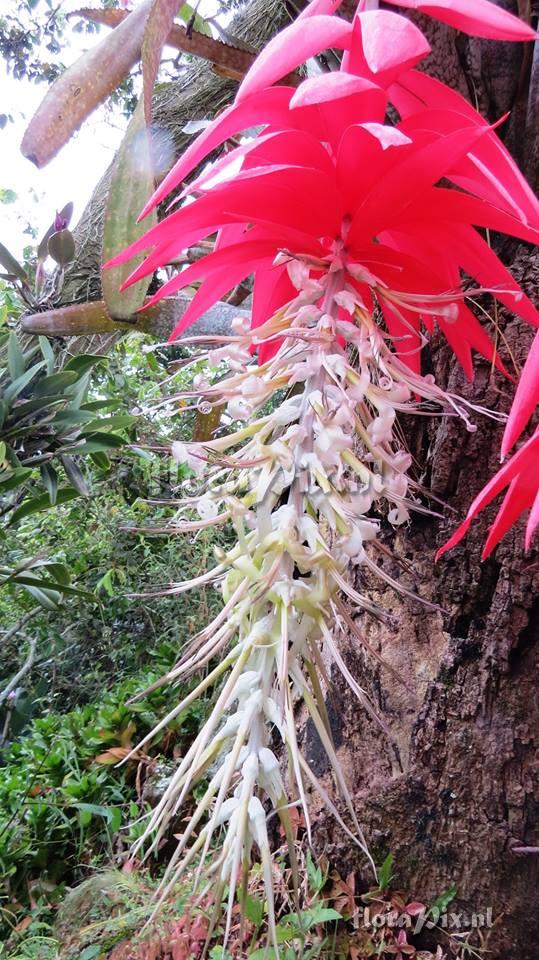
<point x="305" y="485"/>
<point x="270" y="778"/>
<point x="191" y="454"/>
<point x="257" y="822"/>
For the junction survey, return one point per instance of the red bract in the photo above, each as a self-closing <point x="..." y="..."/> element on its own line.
<point x="327" y="173"/>
<point x="526" y="399"/>
<point x="520" y="473"/>
<point x="330" y="183"/>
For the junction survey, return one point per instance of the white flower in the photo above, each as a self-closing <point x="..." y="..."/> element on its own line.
<point x="381" y="428"/>
<point x="189" y="453"/>
<point x="298" y="271"/>
<point x="239" y="409"/>
<point x="270" y="775"/>
<point x="240" y="325"/>
<point x="226" y="811"/>
<point x="207" y="508"/>
<point x="257" y="822"/>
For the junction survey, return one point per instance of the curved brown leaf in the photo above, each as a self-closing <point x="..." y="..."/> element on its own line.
<point x="158" y="26"/>
<point x="83" y="86"/>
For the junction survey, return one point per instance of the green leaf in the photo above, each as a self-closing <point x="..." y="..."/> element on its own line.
<point x="96" y="442"/>
<point x="442" y="902"/>
<point x="302" y="922"/>
<point x="50" y="481"/>
<point x="17" y="385"/>
<point x="89" y="953"/>
<point x="50" y="599"/>
<point x="84" y="362"/>
<point x="131" y="185"/>
<point x="15" y="356"/>
<point x="385" y="872"/>
<point x="55" y="383"/>
<point x="11" y="265"/>
<point x="14" y="479"/>
<point x="51" y="586"/>
<point x="75" y="476"/>
<point x="186" y="13"/>
<point x="315" y="875"/>
<point x="65" y="419"/>
<point x="254" y="910"/>
<point x="101" y="460"/>
<point x="37" y="504"/>
<point x="115" y="818"/>
<point x="117" y="422"/>
<point x="48" y="354"/>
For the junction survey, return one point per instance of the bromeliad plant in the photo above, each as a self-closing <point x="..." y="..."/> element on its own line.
<point x="357" y="232"/>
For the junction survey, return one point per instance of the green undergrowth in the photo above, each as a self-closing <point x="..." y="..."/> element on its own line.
<point x="67" y="809"/>
<point x="111" y="916"/>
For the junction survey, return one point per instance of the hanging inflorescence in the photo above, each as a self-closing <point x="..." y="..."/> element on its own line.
<point x="357" y="232"/>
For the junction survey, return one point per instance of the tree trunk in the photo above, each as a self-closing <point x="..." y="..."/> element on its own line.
<point x="460" y="793"/>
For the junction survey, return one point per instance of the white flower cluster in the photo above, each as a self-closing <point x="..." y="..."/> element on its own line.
<point x="306" y="485"/>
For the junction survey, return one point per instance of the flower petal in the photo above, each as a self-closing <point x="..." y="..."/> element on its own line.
<point x="526" y="399"/>
<point x="533" y="522"/>
<point x="480" y="18"/>
<point x="270" y="106"/>
<point x="526" y="459"/>
<point x="292" y="47"/>
<point x="383" y="46"/>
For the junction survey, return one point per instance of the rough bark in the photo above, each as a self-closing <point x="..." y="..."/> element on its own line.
<point x="465" y="718"/>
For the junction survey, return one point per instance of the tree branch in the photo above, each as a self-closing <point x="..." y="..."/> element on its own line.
<point x="26" y="667"/>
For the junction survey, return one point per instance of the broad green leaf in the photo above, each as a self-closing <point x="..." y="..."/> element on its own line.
<point x="42" y="502"/>
<point x="18" y="385"/>
<point x="55" y="382"/>
<point x="186" y="14"/>
<point x="15" y="357"/>
<point x="84" y="362"/>
<point x="50" y="481"/>
<point x="74" y="474"/>
<point x="48" y="354"/>
<point x="72" y="418"/>
<point x="116" y="422"/>
<point x="95" y="442"/>
<point x="49" y="599"/>
<point x="21" y="410"/>
<point x="49" y="586"/>
<point x="11" y="264"/>
<point x="101" y="460"/>
<point x="131" y="185"/>
<point x="61" y="247"/>
<point x="254" y="910"/>
<point x="101" y="405"/>
<point x="14" y="479"/>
